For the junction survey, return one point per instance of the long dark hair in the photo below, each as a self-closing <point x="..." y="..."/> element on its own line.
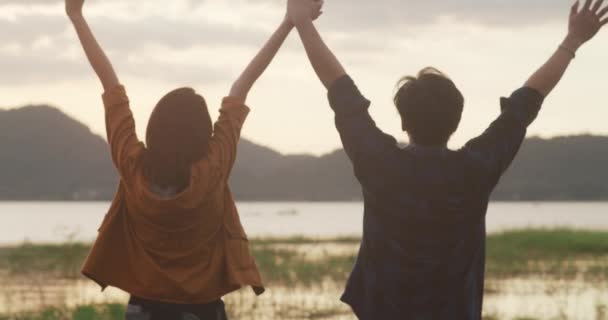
<point x="178" y="135"/>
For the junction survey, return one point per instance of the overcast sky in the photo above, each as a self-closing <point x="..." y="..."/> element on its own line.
<point x="489" y="47"/>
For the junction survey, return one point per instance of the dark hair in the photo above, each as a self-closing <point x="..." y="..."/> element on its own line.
<point x="178" y="135"/>
<point x="430" y="106"/>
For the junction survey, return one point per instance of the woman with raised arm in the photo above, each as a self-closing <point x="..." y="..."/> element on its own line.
<point x="172" y="237"/>
<point x="423" y="250"/>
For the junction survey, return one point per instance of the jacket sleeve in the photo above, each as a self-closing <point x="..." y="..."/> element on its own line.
<point x="120" y="129"/>
<point x="227" y="133"/>
<point x="368" y="148"/>
<point x="497" y="147"/>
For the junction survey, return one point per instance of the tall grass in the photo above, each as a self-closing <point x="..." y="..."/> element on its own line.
<point x="90" y="312"/>
<point x="511" y="253"/>
<point x="562" y="252"/>
<point x="287" y="263"/>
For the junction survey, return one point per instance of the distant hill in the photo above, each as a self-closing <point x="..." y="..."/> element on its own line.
<point x="46" y="155"/>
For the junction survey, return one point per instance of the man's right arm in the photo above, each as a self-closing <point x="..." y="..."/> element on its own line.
<point x="363" y="141"/>
<point x="326" y="65"/>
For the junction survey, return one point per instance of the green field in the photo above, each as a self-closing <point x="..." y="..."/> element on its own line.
<point x="306" y="263"/>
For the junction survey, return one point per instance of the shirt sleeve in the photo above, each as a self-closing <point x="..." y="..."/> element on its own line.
<point x="365" y="144"/>
<point x="497" y="147"/>
<point x="227" y="133"/>
<point x="120" y="128"/>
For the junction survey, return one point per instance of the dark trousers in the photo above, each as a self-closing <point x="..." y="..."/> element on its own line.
<point x="141" y="309"/>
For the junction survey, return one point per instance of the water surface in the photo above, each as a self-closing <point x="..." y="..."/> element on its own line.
<point x="57" y="221"/>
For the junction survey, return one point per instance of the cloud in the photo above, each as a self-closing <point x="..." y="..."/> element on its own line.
<point x="28" y="28"/>
<point x="177" y="34"/>
<point x="401" y="13"/>
<point x="28" y="2"/>
<point x="393" y="12"/>
<point x="351" y="25"/>
<point x="36" y="48"/>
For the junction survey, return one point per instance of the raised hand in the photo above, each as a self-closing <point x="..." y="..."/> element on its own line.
<point x="243" y="84"/>
<point x="583" y="26"/>
<point x="585" y="22"/>
<point x="324" y="62"/>
<point x="304" y="10"/>
<point x="74" y="7"/>
<point x="95" y="54"/>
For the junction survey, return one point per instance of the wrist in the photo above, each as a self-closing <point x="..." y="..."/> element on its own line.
<point x="76" y="16"/>
<point x="287" y="23"/>
<point x="302" y="21"/>
<point x="572" y="43"/>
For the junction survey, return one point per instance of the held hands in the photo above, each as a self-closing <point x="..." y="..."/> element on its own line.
<point x="585" y="23"/>
<point x="74" y="8"/>
<point x="303" y="10"/>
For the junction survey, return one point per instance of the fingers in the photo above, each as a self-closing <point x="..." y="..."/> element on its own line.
<point x="603" y="12"/>
<point x="318" y="6"/>
<point x="587" y="5"/>
<point x="574" y="9"/>
<point x="604" y="22"/>
<point x="320" y="3"/>
<point x="597" y="6"/>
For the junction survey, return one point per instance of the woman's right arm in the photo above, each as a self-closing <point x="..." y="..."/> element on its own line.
<point x="95" y="54"/>
<point x="120" y="125"/>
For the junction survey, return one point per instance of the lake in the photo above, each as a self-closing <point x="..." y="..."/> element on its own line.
<point x="54" y="222"/>
<point x="559" y="293"/>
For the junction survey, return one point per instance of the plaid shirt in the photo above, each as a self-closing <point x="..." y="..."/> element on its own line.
<point x="423" y="250"/>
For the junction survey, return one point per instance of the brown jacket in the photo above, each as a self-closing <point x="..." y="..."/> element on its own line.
<point x="188" y="249"/>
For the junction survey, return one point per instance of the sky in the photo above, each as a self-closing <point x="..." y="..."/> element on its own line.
<point x="488" y="47"/>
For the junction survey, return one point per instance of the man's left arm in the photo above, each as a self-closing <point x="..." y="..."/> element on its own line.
<point x="498" y="145"/>
<point x="583" y="25"/>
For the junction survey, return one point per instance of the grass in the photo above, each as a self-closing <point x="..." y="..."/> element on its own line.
<point x="553" y="252"/>
<point x="288" y="263"/>
<point x="59" y="261"/>
<point x="303" y="241"/>
<point x="283" y="266"/>
<point x="546" y="244"/>
<point x="89" y="312"/>
<point x="515" y="253"/>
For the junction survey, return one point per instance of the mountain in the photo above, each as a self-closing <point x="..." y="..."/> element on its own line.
<point x="564" y="168"/>
<point x="46" y="155"/>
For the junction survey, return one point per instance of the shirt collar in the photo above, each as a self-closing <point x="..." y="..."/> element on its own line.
<point x="415" y="147"/>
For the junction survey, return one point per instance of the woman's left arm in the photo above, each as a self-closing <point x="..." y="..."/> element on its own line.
<point x="241" y="87"/>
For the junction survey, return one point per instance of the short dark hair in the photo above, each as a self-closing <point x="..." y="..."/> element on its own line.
<point x="430" y="106"/>
<point x="177" y="136"/>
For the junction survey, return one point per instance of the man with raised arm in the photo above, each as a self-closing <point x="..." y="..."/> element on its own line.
<point x="422" y="254"/>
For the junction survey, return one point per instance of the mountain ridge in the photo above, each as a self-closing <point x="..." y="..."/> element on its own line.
<point x="47" y="155"/>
